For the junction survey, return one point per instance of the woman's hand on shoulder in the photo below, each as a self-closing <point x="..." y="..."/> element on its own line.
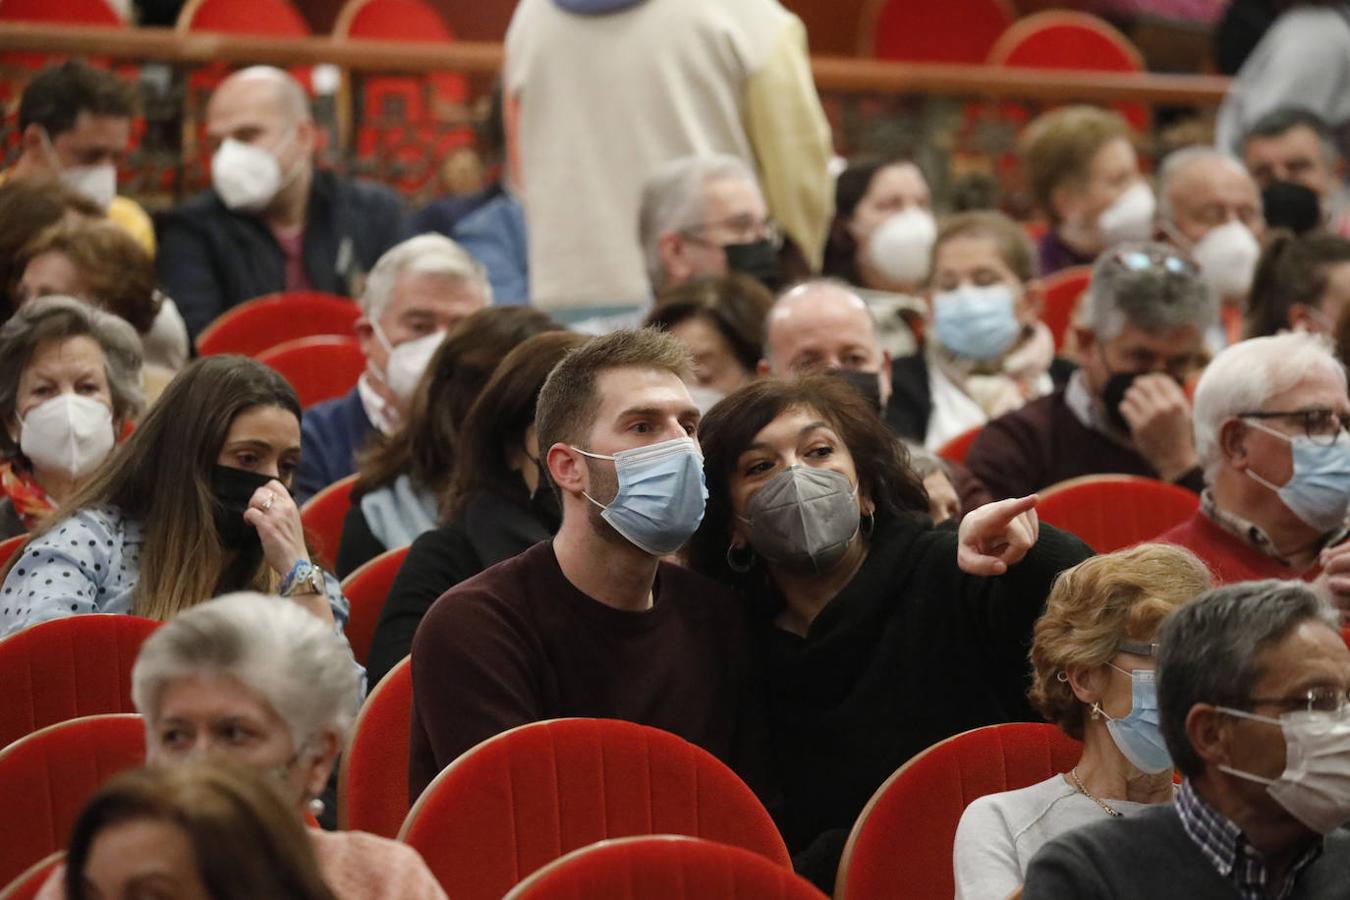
<point x="272" y="511"/>
<point x="997" y="535"/>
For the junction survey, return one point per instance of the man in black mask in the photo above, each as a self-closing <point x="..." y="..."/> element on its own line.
<point x="1293" y="157"/>
<point x="1141" y="341"/>
<point x="705" y="215"/>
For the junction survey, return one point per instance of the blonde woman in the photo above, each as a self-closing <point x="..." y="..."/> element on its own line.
<point x="1093" y="658"/>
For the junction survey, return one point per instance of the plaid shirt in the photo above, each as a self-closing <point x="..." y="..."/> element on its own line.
<point x="1228" y="849"/>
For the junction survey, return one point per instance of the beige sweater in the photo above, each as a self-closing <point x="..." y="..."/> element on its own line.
<point x="603" y="100"/>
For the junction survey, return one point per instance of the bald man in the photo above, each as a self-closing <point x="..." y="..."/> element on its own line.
<point x="271" y="221"/>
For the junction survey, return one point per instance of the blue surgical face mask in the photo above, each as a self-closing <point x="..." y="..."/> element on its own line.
<point x="1319" y="490"/>
<point x="659" y="504"/>
<point x="976" y="323"/>
<point x="1137" y="735"/>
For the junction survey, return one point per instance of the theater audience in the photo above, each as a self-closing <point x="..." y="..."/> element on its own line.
<point x="1124" y="411"/>
<point x="69" y="382"/>
<point x="193" y="504"/>
<point x="1270" y="418"/>
<point x="75" y="125"/>
<point x="1210" y="209"/>
<point x="272" y="220"/>
<point x="1093" y="656"/>
<point x="416" y="293"/>
<point x="1252" y="684"/>
<point x="27" y="208"/>
<point x="705" y="215"/>
<point x="403" y="481"/>
<point x="987" y="353"/>
<point x="257" y="681"/>
<point x="860" y="606"/>
<point x="206" y="831"/>
<point x="720" y="319"/>
<point x="1084" y="176"/>
<point x="1291" y="147"/>
<point x="498" y="502"/>
<point x="637" y="85"/>
<point x="99" y="263"/>
<point x="595" y="623"/>
<point x="1301" y="284"/>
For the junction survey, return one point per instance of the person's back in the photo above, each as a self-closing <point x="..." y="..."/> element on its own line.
<point x="606" y="97"/>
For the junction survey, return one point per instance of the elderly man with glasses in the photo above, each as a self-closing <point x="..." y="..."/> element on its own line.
<point x="1270" y="417"/>
<point x="1141" y="339"/>
<point x="1252" y="703"/>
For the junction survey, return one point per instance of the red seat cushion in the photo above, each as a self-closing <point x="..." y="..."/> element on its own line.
<point x="264" y="322"/>
<point x="1112" y="512"/>
<point x="924" y="31"/>
<point x="323" y="367"/>
<point x="366" y="589"/>
<point x="373" y="781"/>
<point x="322" y="517"/>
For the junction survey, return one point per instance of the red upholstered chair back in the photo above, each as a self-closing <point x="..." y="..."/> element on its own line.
<point x="11" y="546"/>
<point x="66" y="668"/>
<point x="366" y="588"/>
<point x="1111" y="512"/>
<point x="923" y="30"/>
<point x="264" y="322"/>
<point x="956" y="449"/>
<point x="663" y="867"/>
<point x="276" y="18"/>
<point x="320" y="368"/>
<point x="47" y="777"/>
<point x="322" y="517"/>
<point x="64" y="12"/>
<point x="1062" y="290"/>
<point x="27" y="885"/>
<point x="905" y="833"/>
<point x="373" y="780"/>
<point x="522" y="799"/>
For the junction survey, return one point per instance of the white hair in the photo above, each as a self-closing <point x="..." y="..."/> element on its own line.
<point x="271" y="646"/>
<point x="673" y="198"/>
<point x="1178" y="161"/>
<point x="1242" y="377"/>
<point x="426" y="254"/>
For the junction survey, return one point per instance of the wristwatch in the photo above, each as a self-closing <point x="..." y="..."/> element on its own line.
<point x="304" y="578"/>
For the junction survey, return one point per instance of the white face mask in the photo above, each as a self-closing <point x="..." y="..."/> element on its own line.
<point x="1315" y="784"/>
<point x="1227" y="258"/>
<point x="97" y="183"/>
<point x="69" y="433"/>
<point x="1130" y="217"/>
<point x="407" y="361"/>
<point x="245" y="177"/>
<point x="901" y="248"/>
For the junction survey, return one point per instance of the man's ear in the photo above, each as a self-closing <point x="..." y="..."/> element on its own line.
<point x="1207" y="730"/>
<point x="365" y="334"/>
<point x="1086" y="338"/>
<point x="566" y="467"/>
<point x="33" y="143"/>
<point x="1232" y="444"/>
<point x="670" y="247"/>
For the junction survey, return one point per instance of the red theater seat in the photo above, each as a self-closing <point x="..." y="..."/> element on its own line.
<point x="926" y="31"/>
<point x="373" y="779"/>
<point x="956" y="449"/>
<point x="1062" y="290"/>
<point x="62" y="12"/>
<point x="663" y="867"/>
<point x="11" y="546"/>
<point x="323" y="367"/>
<point x="366" y="589"/>
<point x="322" y="517"/>
<point x="264" y="322"/>
<point x="277" y="18"/>
<point x="524" y="798"/>
<point x="27" y="885"/>
<point x="905" y="833"/>
<point x="66" y="668"/>
<point x="1112" y="512"/>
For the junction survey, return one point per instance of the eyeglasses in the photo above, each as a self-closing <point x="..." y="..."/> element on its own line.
<point x="742" y="229"/>
<point x="1318" y="699"/>
<point x="1320" y="424"/>
<point x="1155" y="258"/>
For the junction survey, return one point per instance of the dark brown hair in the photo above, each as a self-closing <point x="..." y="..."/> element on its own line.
<point x="245" y="842"/>
<point x="841" y="249"/>
<point x="27" y="206"/>
<point x="498" y="420"/>
<point x="56" y="96"/>
<point x="734" y="304"/>
<point x="569" y="401"/>
<point x="1292" y="270"/>
<point x="424" y="446"/>
<point x="118" y="274"/>
<point x="730" y="427"/>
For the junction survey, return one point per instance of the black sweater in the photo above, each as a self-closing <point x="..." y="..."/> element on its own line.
<point x="911" y="652"/>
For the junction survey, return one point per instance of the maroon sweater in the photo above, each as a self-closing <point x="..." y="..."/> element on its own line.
<point x="1044" y="443"/>
<point x="519" y="643"/>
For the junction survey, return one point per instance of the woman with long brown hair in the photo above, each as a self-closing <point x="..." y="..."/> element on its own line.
<point x="196" y="503"/>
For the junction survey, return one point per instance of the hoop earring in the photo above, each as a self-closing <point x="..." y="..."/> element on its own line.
<point x="742" y="565"/>
<point x="868" y="525"/>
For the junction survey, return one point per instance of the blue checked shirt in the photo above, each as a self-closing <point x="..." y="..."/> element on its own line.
<point x="1228" y="849"/>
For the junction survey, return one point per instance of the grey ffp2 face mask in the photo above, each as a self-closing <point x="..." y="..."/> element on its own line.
<point x="803" y="518"/>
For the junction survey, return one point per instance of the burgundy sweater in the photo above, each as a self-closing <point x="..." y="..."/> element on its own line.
<point x="519" y="643"/>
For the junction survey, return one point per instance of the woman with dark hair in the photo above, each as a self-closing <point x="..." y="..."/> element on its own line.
<point x="27" y="206"/>
<point x="860" y="605"/>
<point x="498" y="504"/>
<point x="402" y="481"/>
<point x="1301" y="284"/>
<point x="721" y="321"/>
<point x="195" y="503"/>
<point x="210" y="830"/>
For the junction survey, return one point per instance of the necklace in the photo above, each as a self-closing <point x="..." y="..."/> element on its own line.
<point x="1073" y="773"/>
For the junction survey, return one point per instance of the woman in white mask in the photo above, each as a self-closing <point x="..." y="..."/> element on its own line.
<point x="1084" y="177"/>
<point x="1093" y="659"/>
<point x="876" y="632"/>
<point x="70" y="380"/>
<point x="880" y="242"/>
<point x="987" y="352"/>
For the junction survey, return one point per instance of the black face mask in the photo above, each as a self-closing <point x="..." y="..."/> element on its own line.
<point x="1113" y="394"/>
<point x="1292" y="206"/>
<point x="866" y="383"/>
<point x="758" y="259"/>
<point x="233" y="489"/>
